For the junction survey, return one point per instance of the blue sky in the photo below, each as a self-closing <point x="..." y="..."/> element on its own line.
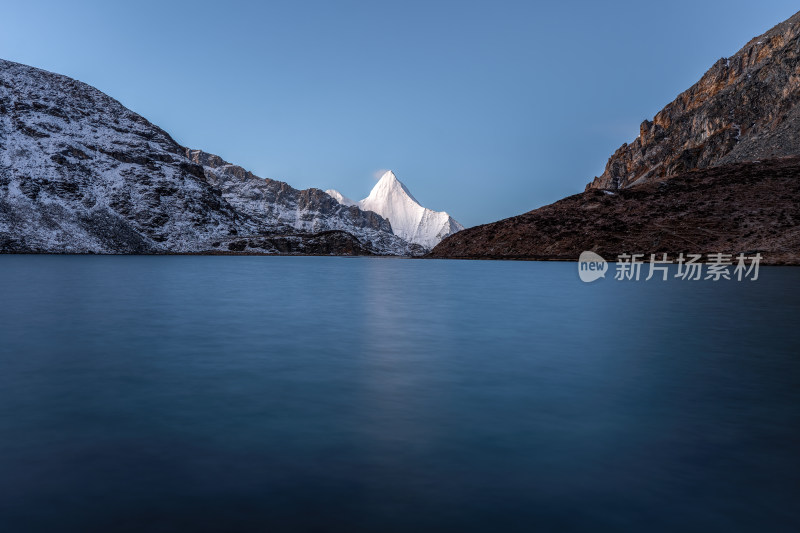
<point x="483" y="109"/>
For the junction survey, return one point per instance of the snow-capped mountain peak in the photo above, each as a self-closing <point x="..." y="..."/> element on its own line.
<point x="339" y="197"/>
<point x="389" y="186"/>
<point x="391" y="199"/>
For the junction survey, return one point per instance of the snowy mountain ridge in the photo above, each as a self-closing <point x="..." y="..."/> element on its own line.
<point x="80" y="173"/>
<point x="391" y="199"/>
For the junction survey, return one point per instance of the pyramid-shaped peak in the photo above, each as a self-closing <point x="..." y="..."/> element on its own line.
<point x="390" y="186"/>
<point x="388" y="176"/>
<point x="391" y="199"/>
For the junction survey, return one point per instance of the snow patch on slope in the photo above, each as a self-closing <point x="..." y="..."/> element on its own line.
<point x="339" y="197"/>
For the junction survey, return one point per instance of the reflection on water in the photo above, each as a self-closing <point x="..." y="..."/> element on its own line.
<point x="253" y="394"/>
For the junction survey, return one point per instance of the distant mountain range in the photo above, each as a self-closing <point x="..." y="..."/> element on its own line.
<point x="80" y="173"/>
<point x="714" y="171"/>
<point x="717" y="170"/>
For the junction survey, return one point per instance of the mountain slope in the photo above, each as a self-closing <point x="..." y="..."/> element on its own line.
<point x="715" y="172"/>
<point x="80" y="173"/>
<point x="410" y="221"/>
<point x="741" y="207"/>
<point x="745" y="108"/>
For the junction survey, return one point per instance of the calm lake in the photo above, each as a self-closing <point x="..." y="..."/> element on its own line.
<point x="366" y="394"/>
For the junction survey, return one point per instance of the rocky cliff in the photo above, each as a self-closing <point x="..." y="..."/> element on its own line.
<point x="80" y="173"/>
<point x="745" y="108"/>
<point x="735" y="208"/>
<point x="716" y="171"/>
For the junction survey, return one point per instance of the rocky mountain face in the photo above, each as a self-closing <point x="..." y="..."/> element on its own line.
<point x="745" y="108"/>
<point x="716" y="171"/>
<point x="735" y="208"/>
<point x="80" y="173"/>
<point x="411" y="221"/>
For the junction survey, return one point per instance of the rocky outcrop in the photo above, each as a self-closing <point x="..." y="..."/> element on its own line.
<point x="80" y="173"/>
<point x="741" y="207"/>
<point x="745" y="108"/>
<point x="321" y="243"/>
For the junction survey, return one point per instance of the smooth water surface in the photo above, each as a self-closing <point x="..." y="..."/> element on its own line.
<point x="335" y="394"/>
